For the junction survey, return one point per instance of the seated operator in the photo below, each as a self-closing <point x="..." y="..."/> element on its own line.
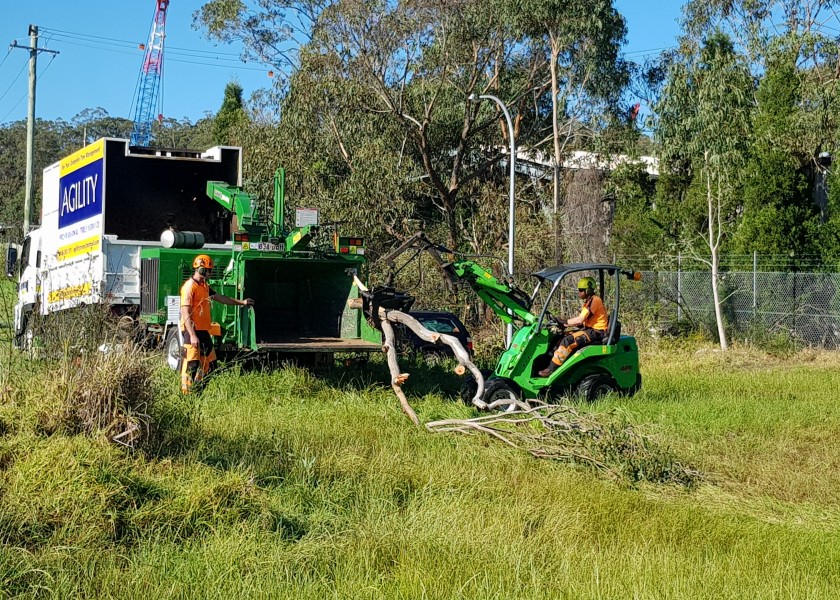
<point x="594" y="321"/>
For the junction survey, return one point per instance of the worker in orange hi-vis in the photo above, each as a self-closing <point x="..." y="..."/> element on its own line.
<point x="196" y="294"/>
<point x="593" y="319"/>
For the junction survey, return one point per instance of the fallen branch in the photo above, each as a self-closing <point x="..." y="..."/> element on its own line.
<point x="398" y="378"/>
<point x="464" y="361"/>
<point x="604" y="442"/>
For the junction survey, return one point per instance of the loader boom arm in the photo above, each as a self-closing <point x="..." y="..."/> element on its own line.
<point x="235" y="200"/>
<point x="509" y="302"/>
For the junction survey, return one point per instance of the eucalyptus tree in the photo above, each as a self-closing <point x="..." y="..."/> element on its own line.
<point x="402" y="71"/>
<point x="93" y="123"/>
<point x="794" y="50"/>
<point x="581" y="42"/>
<point x="54" y="140"/>
<point x="703" y="126"/>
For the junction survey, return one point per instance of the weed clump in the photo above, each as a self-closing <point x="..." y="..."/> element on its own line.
<point x="101" y="393"/>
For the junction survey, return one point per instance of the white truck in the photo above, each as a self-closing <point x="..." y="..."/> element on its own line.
<point x="101" y="205"/>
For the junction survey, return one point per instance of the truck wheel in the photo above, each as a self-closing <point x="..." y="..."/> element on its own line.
<point x="501" y="391"/>
<point x="25" y="340"/>
<point x="595" y="386"/>
<point x="173" y="349"/>
<point x="469" y="387"/>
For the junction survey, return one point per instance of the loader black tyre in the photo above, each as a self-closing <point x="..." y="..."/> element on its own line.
<point x="593" y="387"/>
<point x="173" y="349"/>
<point x="470" y="386"/>
<point x="501" y="390"/>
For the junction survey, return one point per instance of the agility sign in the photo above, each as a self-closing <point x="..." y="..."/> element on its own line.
<point x="80" y="185"/>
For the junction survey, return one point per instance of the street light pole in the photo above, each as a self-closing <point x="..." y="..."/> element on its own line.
<point x="512" y="162"/>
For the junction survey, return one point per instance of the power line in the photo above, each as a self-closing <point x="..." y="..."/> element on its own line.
<point x="22" y="98"/>
<point x="22" y="69"/>
<point x="206" y="64"/>
<point x="5" y="57"/>
<point x="234" y="63"/>
<point x="122" y="49"/>
<point x="89" y="37"/>
<point x="649" y="51"/>
<point x="104" y="49"/>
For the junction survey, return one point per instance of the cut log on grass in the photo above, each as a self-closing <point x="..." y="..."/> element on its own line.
<point x="461" y="355"/>
<point x="397" y="378"/>
<point x="386" y="318"/>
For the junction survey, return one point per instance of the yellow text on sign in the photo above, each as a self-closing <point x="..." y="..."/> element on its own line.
<point x="83" y="157"/>
<point x="68" y="293"/>
<point x="79" y="248"/>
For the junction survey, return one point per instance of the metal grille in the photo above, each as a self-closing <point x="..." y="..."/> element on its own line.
<point x="150" y="269"/>
<point x="803" y="306"/>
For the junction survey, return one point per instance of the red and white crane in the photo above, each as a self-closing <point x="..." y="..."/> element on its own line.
<point x="146" y="104"/>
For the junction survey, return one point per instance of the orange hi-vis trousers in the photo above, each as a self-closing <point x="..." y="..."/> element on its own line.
<point x="575" y="340"/>
<point x="198" y="361"/>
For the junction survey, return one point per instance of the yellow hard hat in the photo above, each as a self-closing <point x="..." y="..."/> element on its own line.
<point x="587" y="283"/>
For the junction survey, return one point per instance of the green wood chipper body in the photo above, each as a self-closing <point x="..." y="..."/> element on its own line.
<point x="300" y="287"/>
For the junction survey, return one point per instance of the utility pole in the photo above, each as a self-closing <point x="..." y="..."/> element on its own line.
<point x="30" y="122"/>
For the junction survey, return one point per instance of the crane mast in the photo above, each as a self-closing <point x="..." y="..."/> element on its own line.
<point x="150" y="74"/>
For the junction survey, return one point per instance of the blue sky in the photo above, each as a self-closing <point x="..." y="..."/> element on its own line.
<point x="99" y="60"/>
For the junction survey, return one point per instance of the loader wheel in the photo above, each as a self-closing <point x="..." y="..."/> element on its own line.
<point x="173" y="349"/>
<point x="469" y="387"/>
<point x="593" y="387"/>
<point x="501" y="391"/>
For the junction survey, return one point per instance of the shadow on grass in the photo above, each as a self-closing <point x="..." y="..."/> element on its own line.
<point x="424" y="379"/>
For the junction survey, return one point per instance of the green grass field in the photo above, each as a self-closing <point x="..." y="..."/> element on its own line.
<point x="285" y="485"/>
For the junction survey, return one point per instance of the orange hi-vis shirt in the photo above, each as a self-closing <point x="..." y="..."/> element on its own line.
<point x="594" y="314"/>
<point x="197" y="296"/>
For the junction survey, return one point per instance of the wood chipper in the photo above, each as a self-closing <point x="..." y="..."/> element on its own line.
<point x="300" y="281"/>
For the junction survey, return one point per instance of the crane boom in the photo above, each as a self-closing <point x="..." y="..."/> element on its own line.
<point x="150" y="74"/>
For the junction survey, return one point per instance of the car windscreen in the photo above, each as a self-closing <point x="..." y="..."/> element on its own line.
<point x="439" y="325"/>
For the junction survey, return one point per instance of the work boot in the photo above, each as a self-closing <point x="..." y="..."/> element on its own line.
<point x="552" y="366"/>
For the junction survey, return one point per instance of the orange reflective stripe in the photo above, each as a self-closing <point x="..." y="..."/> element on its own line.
<point x="191" y="353"/>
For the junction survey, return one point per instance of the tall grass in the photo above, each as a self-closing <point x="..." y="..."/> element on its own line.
<point x="283" y="484"/>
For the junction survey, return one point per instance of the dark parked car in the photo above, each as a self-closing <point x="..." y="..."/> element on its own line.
<point x="440" y="322"/>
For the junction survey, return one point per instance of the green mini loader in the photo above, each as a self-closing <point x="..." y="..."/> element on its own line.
<point x="590" y="372"/>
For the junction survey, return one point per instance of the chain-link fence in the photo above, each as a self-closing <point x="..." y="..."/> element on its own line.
<point x="758" y="301"/>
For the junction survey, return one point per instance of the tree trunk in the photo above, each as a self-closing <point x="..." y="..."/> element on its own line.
<point x="451" y="220"/>
<point x="716" y="296"/>
<point x="713" y="205"/>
